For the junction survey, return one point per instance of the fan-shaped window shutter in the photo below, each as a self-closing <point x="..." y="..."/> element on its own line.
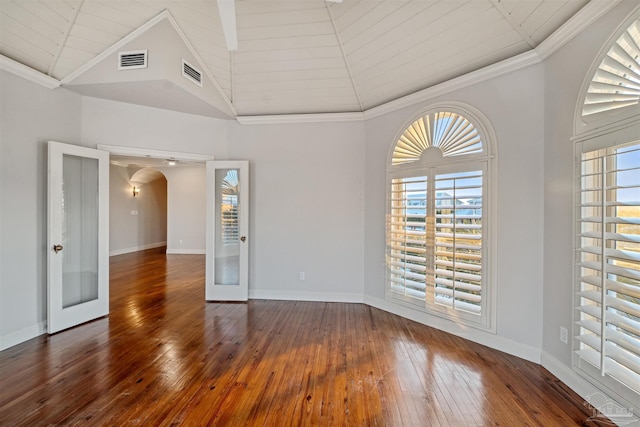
<point x="453" y="134"/>
<point x="616" y="83"/>
<point x="437" y="218"/>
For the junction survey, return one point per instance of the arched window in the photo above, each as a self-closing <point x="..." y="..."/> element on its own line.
<point x="612" y="93"/>
<point x="607" y="269"/>
<point x="437" y="227"/>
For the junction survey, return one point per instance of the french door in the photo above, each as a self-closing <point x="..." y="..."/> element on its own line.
<point x="78" y="235"/>
<point x="227" y="274"/>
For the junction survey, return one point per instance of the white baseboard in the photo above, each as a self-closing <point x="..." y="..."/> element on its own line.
<point x="479" y="336"/>
<point x="23" y="335"/>
<point x="186" y="251"/>
<point x="587" y="390"/>
<point x="305" y="296"/>
<point x="565" y="374"/>
<point x="137" y="248"/>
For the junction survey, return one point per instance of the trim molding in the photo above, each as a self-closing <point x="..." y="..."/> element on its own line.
<point x="301" y="118"/>
<point x="137" y="248"/>
<point x="479" y="336"/>
<point x="574" y="26"/>
<point x="567" y="376"/>
<point x="504" y="67"/>
<point x="23" y="335"/>
<point x="582" y="387"/>
<point x="489" y="72"/>
<point x="147" y="152"/>
<point x="27" y="73"/>
<point x="186" y="252"/>
<point x="586" y="16"/>
<point x="305" y="296"/>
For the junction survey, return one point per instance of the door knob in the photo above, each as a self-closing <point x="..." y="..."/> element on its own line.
<point x="243" y="238"/>
<point x="57" y="248"/>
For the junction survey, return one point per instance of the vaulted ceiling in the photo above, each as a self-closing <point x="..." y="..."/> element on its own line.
<point x="293" y="56"/>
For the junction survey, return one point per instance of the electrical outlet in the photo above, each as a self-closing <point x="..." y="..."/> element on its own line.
<point x="301" y="275"/>
<point x="564" y="335"/>
<point x="134" y="212"/>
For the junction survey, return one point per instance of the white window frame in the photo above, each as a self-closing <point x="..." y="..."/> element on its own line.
<point x="483" y="161"/>
<point x="606" y="130"/>
<point x="600" y="373"/>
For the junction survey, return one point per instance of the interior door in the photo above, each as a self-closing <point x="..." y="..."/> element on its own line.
<point x="227" y="272"/>
<point x="78" y="235"/>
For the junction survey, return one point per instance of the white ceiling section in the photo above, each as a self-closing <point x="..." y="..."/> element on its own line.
<point x="295" y="56"/>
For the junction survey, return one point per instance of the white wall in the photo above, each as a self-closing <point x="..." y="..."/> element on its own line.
<point x="186" y="210"/>
<point x="513" y="104"/>
<point x="117" y="123"/>
<point x="29" y="116"/>
<point x="307" y="208"/>
<point x="147" y="229"/>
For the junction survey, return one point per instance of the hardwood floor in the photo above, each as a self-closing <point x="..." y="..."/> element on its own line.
<point x="166" y="357"/>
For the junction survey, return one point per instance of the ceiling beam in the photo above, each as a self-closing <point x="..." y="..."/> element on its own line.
<point x="227" y="10"/>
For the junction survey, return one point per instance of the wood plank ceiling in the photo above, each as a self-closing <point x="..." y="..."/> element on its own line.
<point x="296" y="56"/>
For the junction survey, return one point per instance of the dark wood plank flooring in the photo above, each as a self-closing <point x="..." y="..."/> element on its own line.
<point x="166" y="357"/>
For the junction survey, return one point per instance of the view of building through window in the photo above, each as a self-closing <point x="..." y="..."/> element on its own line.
<point x="229" y="208"/>
<point x="436" y="217"/>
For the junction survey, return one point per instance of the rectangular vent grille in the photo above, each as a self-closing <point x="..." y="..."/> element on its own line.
<point x="132" y="60"/>
<point x="191" y="73"/>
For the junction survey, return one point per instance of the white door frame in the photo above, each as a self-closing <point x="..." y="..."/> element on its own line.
<point x="157" y="154"/>
<point x="59" y="317"/>
<point x="213" y="291"/>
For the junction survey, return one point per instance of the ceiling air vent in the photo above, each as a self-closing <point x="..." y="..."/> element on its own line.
<point x="191" y="73"/>
<point x="132" y="60"/>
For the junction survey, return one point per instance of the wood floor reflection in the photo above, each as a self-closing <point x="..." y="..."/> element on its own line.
<point x="165" y="357"/>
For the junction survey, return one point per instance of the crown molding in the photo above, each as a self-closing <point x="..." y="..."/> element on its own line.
<point x="507" y="66"/>
<point x="586" y="16"/>
<point x="301" y="118"/>
<point x="504" y="67"/>
<point x="27" y="73"/>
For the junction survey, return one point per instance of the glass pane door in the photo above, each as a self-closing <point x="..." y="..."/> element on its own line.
<point x="78" y="235"/>
<point x="227" y="256"/>
<point x="227" y="231"/>
<point x="79" y="230"/>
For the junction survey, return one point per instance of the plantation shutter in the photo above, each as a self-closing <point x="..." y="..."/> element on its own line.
<point x="435" y="257"/>
<point x="435" y="238"/>
<point x="458" y="240"/>
<point x="229" y="208"/>
<point x="407" y="244"/>
<point x="608" y="263"/>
